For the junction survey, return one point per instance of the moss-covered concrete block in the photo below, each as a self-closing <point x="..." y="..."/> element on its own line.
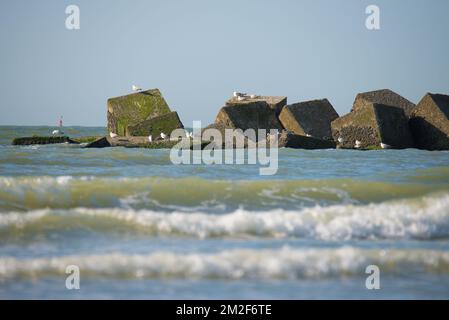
<point x="372" y="125"/>
<point x="274" y="102"/>
<point x="251" y="115"/>
<point x="25" y="141"/>
<point x="134" y="108"/>
<point x="155" y="126"/>
<point x="384" y="96"/>
<point x="309" y="118"/>
<point x="429" y="122"/>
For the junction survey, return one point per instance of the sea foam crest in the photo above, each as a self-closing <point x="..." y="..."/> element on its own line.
<point x="284" y="263"/>
<point x="421" y="218"/>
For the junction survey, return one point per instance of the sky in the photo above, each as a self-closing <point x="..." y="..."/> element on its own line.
<point x="198" y="52"/>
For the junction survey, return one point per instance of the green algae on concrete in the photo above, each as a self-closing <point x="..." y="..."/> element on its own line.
<point x="26" y="141"/>
<point x="134" y="108"/>
<point x="155" y="126"/>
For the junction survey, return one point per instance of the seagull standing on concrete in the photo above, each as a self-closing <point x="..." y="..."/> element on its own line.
<point x="239" y="94"/>
<point x="136" y="88"/>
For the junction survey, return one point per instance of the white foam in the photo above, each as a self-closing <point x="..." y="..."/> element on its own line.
<point x="421" y="218"/>
<point x="284" y="263"/>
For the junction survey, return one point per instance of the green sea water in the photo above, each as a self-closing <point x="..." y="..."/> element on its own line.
<point x="139" y="226"/>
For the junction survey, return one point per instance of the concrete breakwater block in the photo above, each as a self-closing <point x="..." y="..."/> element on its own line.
<point x="132" y="109"/>
<point x="371" y="126"/>
<point x="25" y="141"/>
<point x="311" y="118"/>
<point x="429" y="122"/>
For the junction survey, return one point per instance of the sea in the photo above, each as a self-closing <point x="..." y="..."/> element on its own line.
<point x="129" y="224"/>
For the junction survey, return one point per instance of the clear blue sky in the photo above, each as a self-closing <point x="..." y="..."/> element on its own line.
<point x="199" y="51"/>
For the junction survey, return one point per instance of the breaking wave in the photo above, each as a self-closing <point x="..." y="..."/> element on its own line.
<point x="285" y="263"/>
<point x="423" y="218"/>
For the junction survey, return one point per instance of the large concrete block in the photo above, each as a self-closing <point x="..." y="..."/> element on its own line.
<point x="309" y="118"/>
<point x="275" y="103"/>
<point x="429" y="122"/>
<point x="250" y="115"/>
<point x="386" y="97"/>
<point x="134" y="108"/>
<point x="372" y="125"/>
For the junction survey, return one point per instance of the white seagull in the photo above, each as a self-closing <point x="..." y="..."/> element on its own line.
<point x="253" y="96"/>
<point x="136" y="88"/>
<point x="150" y="138"/>
<point x="56" y="132"/>
<point x="385" y="146"/>
<point x="187" y="134"/>
<point x="113" y="135"/>
<point x="239" y="94"/>
<point x="241" y="98"/>
<point x="340" y="140"/>
<point x="163" y="135"/>
<point x="358" y="144"/>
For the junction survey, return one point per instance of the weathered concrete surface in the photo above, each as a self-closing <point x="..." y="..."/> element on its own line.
<point x="384" y="96"/>
<point x="139" y="142"/>
<point x="295" y="141"/>
<point x="372" y="125"/>
<point x="165" y="123"/>
<point x="275" y="103"/>
<point x="134" y="108"/>
<point x="309" y="118"/>
<point x="429" y="122"/>
<point x="25" y="141"/>
<point x="254" y="115"/>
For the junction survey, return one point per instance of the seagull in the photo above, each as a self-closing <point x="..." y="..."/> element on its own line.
<point x="385" y="146"/>
<point x="239" y="94"/>
<point x="340" y="140"/>
<point x="241" y="98"/>
<point x="163" y="135"/>
<point x="113" y="135"/>
<point x="308" y="135"/>
<point x="136" y="88"/>
<point x="187" y="134"/>
<point x="56" y="132"/>
<point x="357" y="144"/>
<point x="150" y="138"/>
<point x="253" y="96"/>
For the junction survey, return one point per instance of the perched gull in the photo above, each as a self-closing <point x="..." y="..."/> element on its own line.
<point x="241" y="98"/>
<point x="163" y="135"/>
<point x="385" y="146"/>
<point x="358" y="144"/>
<point x="340" y="140"/>
<point x="239" y="94"/>
<point x="136" y="88"/>
<point x="253" y="96"/>
<point x="150" y="138"/>
<point x="187" y="134"/>
<point x="113" y="135"/>
<point x="56" y="132"/>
